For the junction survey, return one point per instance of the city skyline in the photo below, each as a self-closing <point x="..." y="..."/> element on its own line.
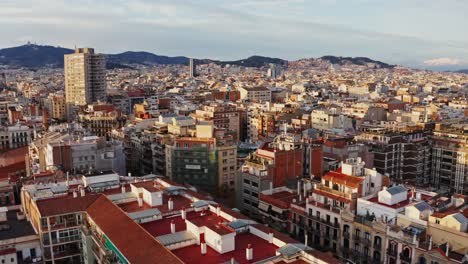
<point x="398" y="32"/>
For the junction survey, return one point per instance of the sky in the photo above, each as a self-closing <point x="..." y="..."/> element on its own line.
<point x="430" y="34"/>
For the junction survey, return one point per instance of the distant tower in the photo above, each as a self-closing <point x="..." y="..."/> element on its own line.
<point x="274" y="71"/>
<point x="3" y="83"/>
<point x="192" y="68"/>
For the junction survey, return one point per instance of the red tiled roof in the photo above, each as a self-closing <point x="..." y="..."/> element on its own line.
<point x="394" y="206"/>
<point x="163" y="226"/>
<point x="65" y="204"/>
<point x="261" y="250"/>
<point x="7" y="251"/>
<point x="283" y="237"/>
<point x="340" y="178"/>
<point x="134" y="242"/>
<point x="280" y="199"/>
<point x="147" y="185"/>
<point x="332" y="196"/>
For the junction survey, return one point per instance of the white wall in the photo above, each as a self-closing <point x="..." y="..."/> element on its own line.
<point x="386" y="198"/>
<point x="381" y="212"/>
<point x="221" y="244"/>
<point x="195" y="230"/>
<point x="153" y="199"/>
<point x="101" y="178"/>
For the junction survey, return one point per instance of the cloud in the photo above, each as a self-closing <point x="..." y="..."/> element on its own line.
<point x="444" y="62"/>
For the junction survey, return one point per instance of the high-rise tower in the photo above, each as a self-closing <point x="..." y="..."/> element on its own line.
<point x="85" y="77"/>
<point x="193" y="68"/>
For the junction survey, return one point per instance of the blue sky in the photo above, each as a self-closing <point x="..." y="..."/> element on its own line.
<point x="418" y="33"/>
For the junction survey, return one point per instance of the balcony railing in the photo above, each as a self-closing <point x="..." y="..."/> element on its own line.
<point x="346" y="234"/>
<point x="61" y="240"/>
<point x="391" y="252"/>
<point x="366" y="241"/>
<point x="356" y="238"/>
<point x="377" y="246"/>
<point x="405" y="258"/>
<point x="334" y="192"/>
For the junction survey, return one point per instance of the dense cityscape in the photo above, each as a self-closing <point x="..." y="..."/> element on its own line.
<point x="308" y="161"/>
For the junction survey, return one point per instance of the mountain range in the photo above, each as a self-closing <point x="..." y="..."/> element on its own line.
<point x="36" y="56"/>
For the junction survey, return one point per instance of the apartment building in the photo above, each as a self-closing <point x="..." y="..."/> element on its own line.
<point x="278" y="163"/>
<point x="203" y="161"/>
<point x="450" y="158"/>
<point x="404" y="155"/>
<point x="221" y="116"/>
<point x="255" y="94"/>
<point x="172" y="223"/>
<point x="57" y="107"/>
<point x="101" y="119"/>
<point x="75" y="153"/>
<point x="85" y="77"/>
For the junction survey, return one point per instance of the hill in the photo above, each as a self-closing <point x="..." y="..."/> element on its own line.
<point x="356" y="61"/>
<point x="33" y="56"/>
<point x="254" y="61"/>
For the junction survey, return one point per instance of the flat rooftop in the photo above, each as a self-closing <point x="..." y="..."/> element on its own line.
<point x="179" y="203"/>
<point x="14" y="228"/>
<point x="262" y="249"/>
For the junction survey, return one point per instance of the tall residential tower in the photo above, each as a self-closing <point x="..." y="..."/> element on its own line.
<point x="192" y="68"/>
<point x="85" y="77"/>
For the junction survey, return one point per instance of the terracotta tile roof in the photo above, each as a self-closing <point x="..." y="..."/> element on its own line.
<point x="340" y="178"/>
<point x="132" y="240"/>
<point x="280" y="199"/>
<point x="64" y="205"/>
<point x="148" y="185"/>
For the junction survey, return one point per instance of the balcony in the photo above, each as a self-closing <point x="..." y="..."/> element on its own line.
<point x="62" y="254"/>
<point x="67" y="224"/>
<point x="405" y="258"/>
<point x="346" y="234"/>
<point x="334" y="192"/>
<point x="61" y="240"/>
<point x="356" y="238"/>
<point x="378" y="246"/>
<point x="366" y="241"/>
<point x="392" y="252"/>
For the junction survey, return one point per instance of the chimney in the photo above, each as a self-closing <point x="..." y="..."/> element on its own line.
<point x="270" y="237"/>
<point x="218" y="210"/>
<point x="75" y="194"/>
<point x="249" y="252"/>
<point x="172" y="227"/>
<point x="299" y="188"/>
<point x="183" y="213"/>
<point x="305" y="239"/>
<point x="430" y="243"/>
<point x="68" y="179"/>
<point x="140" y="202"/>
<point x="271" y="187"/>
<point x="123" y="188"/>
<point x="170" y="204"/>
<point x="203" y="247"/>
<point x="447" y="248"/>
<point x="82" y="192"/>
<point x="233" y="261"/>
